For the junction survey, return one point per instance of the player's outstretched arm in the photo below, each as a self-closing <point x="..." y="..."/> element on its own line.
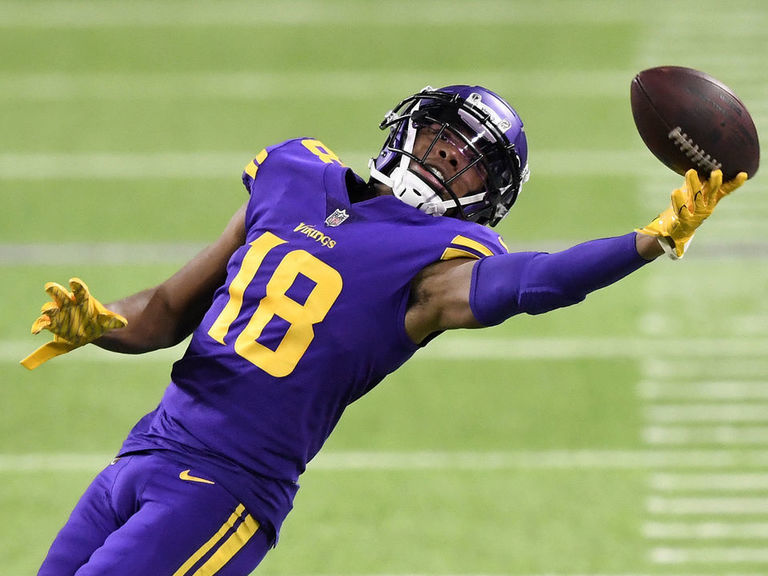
<point x="473" y="294"/>
<point x="155" y="318"/>
<point x="477" y="293"/>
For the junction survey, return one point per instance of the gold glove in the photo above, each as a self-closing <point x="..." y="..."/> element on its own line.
<point x="75" y="318"/>
<point x="690" y="206"/>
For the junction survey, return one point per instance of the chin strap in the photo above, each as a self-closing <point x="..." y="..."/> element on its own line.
<point x="411" y="189"/>
<point x="408" y="187"/>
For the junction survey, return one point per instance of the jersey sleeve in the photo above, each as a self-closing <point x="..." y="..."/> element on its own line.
<point x="249" y="173"/>
<point x="481" y="242"/>
<point x="298" y="155"/>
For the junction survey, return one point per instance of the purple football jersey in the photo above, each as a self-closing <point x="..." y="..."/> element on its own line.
<point x="311" y="317"/>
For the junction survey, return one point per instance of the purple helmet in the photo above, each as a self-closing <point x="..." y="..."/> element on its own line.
<point x="491" y="135"/>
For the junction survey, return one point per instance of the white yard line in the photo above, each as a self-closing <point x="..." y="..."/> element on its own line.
<point x="707" y="390"/>
<point x="267" y="85"/>
<point x="110" y="253"/>
<point x="478" y="346"/>
<point x="654" y="324"/>
<point x="460" y="348"/>
<point x="703" y="413"/>
<point x="707" y="506"/>
<point x="541" y="574"/>
<point x="40" y="166"/>
<point x="241" y="13"/>
<point x="122" y="166"/>
<point x="709" y="482"/>
<point x="671" y="368"/>
<point x="705" y="435"/>
<point x="337" y="461"/>
<point x="79" y="14"/>
<point x="753" y="323"/>
<point x="705" y="530"/>
<point x="697" y="573"/>
<point x="709" y="556"/>
<point x="552" y="459"/>
<point x="53" y="462"/>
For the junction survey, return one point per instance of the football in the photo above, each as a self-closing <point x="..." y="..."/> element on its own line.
<point x="688" y="119"/>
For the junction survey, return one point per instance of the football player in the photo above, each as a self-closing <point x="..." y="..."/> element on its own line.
<point x="320" y="286"/>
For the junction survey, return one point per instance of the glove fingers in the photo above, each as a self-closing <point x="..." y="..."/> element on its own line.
<point x="679" y="199"/>
<point x="42" y="322"/>
<point x="64" y="323"/>
<point x="692" y="180"/>
<point x="715" y="179"/>
<point x="59" y="294"/>
<point x="732" y="185"/>
<point x="711" y="190"/>
<point x="693" y="189"/>
<point x="79" y="289"/>
<point x="49" y="318"/>
<point x="82" y="296"/>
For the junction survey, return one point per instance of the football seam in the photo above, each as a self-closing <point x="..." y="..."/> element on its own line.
<point x="693" y="151"/>
<point x="650" y="100"/>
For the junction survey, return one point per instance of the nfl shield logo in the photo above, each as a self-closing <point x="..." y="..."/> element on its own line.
<point x="338" y="216"/>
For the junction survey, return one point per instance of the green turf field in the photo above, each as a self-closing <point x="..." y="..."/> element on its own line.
<point x="627" y="435"/>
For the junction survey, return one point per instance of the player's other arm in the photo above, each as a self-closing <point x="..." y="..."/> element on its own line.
<point x="476" y="293"/>
<point x="155" y="318"/>
<point x="164" y="315"/>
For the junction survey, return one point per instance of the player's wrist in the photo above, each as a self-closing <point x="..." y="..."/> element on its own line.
<point x="649" y="247"/>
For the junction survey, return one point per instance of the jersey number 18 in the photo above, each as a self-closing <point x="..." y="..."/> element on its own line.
<point x="301" y="317"/>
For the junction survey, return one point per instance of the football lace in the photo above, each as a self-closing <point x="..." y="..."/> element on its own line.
<point x="693" y="151"/>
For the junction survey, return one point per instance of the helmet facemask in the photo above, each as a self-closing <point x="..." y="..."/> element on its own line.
<point x="475" y="132"/>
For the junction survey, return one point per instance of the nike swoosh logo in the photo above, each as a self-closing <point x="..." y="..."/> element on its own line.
<point x="185" y="475"/>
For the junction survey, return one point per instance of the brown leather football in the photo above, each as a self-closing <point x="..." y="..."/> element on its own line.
<point x="688" y="119"/>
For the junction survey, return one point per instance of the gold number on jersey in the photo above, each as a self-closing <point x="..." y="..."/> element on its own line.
<point x="321" y="151"/>
<point x="301" y="317"/>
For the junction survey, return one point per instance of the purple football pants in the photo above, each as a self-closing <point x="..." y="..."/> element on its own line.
<point x="145" y="514"/>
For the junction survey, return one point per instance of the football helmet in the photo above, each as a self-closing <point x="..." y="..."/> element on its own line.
<point x="482" y="127"/>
